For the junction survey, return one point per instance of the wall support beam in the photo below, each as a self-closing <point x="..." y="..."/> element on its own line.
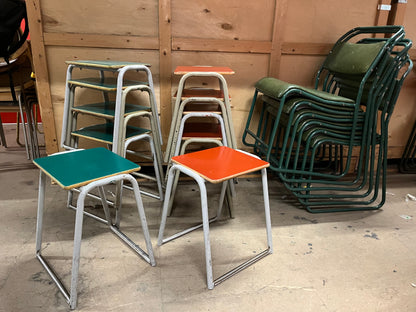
<point x="42" y="75"/>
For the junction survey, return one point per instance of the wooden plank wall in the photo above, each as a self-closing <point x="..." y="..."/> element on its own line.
<point x="280" y="38"/>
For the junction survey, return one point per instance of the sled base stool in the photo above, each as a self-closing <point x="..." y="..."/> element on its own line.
<point x="86" y="170"/>
<point x="216" y="165"/>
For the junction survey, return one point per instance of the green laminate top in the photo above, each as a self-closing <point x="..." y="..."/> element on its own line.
<point x="107" y="110"/>
<point x="109" y="84"/>
<point x="104" y="64"/>
<point x="104" y="132"/>
<point x="81" y="167"/>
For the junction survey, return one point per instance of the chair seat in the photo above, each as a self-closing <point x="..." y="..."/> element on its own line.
<point x="107" y="110"/>
<point x="223" y="70"/>
<point x="220" y="163"/>
<point x="104" y="64"/>
<point x="202" y="130"/>
<point x="276" y="88"/>
<point x="84" y="166"/>
<point x="201" y="92"/>
<point x="109" y="84"/>
<point x="104" y="132"/>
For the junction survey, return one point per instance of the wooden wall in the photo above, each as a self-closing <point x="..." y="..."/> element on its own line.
<point x="280" y="38"/>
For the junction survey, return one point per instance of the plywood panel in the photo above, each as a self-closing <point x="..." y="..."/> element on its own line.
<point x="326" y="20"/>
<point x="232" y="19"/>
<point x="300" y="69"/>
<point x="403" y="117"/>
<point x="410" y="20"/>
<point x="127" y="17"/>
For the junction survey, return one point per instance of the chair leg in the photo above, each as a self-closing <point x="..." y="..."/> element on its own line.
<point x="267" y="209"/>
<point x="2" y="136"/>
<point x="205" y="226"/>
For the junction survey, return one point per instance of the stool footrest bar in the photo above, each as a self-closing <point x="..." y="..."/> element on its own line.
<point x="54" y="277"/>
<point x="188" y="230"/>
<point x="131" y="244"/>
<point x="94" y="196"/>
<point x="242" y="266"/>
<point x="155" y="196"/>
<point x="95" y="217"/>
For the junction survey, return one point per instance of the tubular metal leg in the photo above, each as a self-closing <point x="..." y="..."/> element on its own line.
<point x="71" y="296"/>
<point x="205" y="222"/>
<point x="2" y="136"/>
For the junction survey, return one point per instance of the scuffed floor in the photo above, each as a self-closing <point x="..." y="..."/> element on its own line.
<point x="352" y="261"/>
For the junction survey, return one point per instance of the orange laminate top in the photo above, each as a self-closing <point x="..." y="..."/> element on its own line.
<point x="223" y="70"/>
<point x="220" y="163"/>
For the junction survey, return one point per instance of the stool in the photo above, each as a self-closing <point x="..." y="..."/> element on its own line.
<point x="216" y="165"/>
<point x="87" y="169"/>
<point x="203" y="99"/>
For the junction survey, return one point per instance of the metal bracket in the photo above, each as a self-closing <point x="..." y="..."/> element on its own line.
<point x="384" y="7"/>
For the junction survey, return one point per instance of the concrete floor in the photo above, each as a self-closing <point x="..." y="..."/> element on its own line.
<point x="352" y="261"/>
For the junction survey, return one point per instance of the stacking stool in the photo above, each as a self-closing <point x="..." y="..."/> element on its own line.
<point x="216" y="165"/>
<point x="87" y="169"/>
<point x="202" y="99"/>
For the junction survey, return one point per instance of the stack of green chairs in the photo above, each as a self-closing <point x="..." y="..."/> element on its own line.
<point x="328" y="144"/>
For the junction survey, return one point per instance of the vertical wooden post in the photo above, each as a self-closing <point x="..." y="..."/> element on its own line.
<point x="277" y="37"/>
<point x="42" y="75"/>
<point x="398" y="10"/>
<point x="383" y="11"/>
<point x="165" y="64"/>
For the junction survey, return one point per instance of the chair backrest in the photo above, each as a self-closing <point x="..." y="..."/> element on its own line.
<point x="358" y="62"/>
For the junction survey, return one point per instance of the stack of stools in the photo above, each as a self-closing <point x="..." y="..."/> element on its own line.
<point x="116" y="129"/>
<point x="87" y="170"/>
<point x="201" y="111"/>
<point x="200" y="99"/>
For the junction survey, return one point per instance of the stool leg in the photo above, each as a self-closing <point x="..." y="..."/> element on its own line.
<point x="79" y="217"/>
<point x="39" y="227"/>
<point x="169" y="185"/>
<point x="205" y="217"/>
<point x="41" y="204"/>
<point x="143" y="220"/>
<point x="205" y="226"/>
<point x="267" y="209"/>
<point x="105" y="205"/>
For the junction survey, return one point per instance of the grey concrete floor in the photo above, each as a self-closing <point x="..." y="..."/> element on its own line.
<point x="350" y="261"/>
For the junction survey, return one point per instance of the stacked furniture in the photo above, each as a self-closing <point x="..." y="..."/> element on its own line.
<point x="190" y="99"/>
<point x="116" y="113"/>
<point x="203" y="112"/>
<point x="312" y="136"/>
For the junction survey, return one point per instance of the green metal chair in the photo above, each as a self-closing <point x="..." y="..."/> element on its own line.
<point x="344" y="117"/>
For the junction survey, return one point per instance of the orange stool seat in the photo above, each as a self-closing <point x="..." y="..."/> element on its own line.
<point x="220" y="163"/>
